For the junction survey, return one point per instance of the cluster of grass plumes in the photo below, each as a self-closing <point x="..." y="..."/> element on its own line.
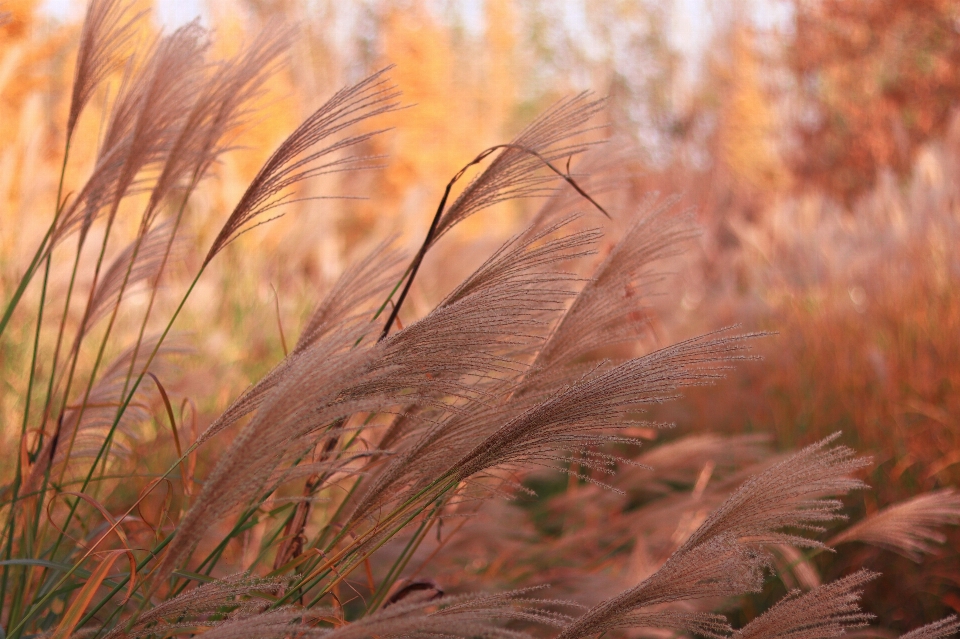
<point x="864" y="301"/>
<point x="368" y="434"/>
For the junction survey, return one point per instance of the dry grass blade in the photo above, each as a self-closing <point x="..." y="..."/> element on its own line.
<point x="349" y="299"/>
<point x="825" y="612"/>
<point x="510" y="176"/>
<point x="580" y="415"/>
<point x="416" y="616"/>
<point x="482" y="329"/>
<point x="516" y="173"/>
<point x="946" y="627"/>
<point x="703" y="624"/>
<point x="460" y="616"/>
<point x="522" y="431"/>
<point x="528" y="260"/>
<point x="720" y="567"/>
<point x="513" y="174"/>
<point x="795" y="568"/>
<point x="424" y="451"/>
<point x="787" y="495"/>
<point x="724" y="556"/>
<point x="107" y="34"/>
<point x="487" y="324"/>
<point x="611" y="307"/>
<point x="910" y="528"/>
<point x="193" y="606"/>
<point x="294" y="161"/>
<point x="475" y="334"/>
<point x="275" y="624"/>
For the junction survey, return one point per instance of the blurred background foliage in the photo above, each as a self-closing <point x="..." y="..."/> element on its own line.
<point x="820" y="151"/>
